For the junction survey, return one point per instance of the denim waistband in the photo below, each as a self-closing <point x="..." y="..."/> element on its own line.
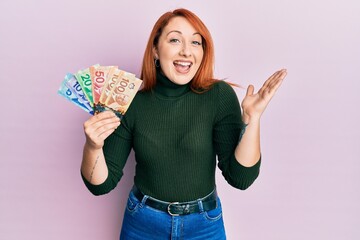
<point x="206" y="203"/>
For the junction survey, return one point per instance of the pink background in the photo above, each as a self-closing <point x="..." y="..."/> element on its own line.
<point x="309" y="182"/>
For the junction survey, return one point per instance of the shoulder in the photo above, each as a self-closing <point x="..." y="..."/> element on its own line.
<point x="223" y="87"/>
<point x="227" y="102"/>
<point x="224" y="90"/>
<point x="140" y="101"/>
<point x="139" y="98"/>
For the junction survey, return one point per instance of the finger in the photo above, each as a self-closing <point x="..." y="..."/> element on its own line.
<point x="108" y="122"/>
<point x="99" y="131"/>
<point x="269" y="92"/>
<point x="278" y="79"/>
<point x="269" y="81"/>
<point x="100" y="116"/>
<point x="97" y="137"/>
<point x="94" y="129"/>
<point x="99" y="119"/>
<point x="250" y="90"/>
<point x="275" y="87"/>
<point x="273" y="81"/>
<point x="273" y="76"/>
<point x="106" y="133"/>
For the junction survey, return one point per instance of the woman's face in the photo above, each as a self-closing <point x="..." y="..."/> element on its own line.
<point x="179" y="50"/>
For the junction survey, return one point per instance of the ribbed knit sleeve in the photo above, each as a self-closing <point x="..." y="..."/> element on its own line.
<point x="228" y="125"/>
<point x="116" y="151"/>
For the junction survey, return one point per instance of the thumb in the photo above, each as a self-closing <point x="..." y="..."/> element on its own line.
<point x="250" y="90"/>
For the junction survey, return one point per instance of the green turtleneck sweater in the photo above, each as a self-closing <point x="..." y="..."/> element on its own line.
<point x="176" y="135"/>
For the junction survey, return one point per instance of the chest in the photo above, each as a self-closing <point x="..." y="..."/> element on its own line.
<point x="185" y="124"/>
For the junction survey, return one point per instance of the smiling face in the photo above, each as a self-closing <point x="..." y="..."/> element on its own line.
<point x="179" y="50"/>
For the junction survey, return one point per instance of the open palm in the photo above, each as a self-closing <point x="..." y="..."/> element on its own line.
<point x="254" y="105"/>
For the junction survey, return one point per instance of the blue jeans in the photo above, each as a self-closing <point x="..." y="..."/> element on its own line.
<point x="144" y="222"/>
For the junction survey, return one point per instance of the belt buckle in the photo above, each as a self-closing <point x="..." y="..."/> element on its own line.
<point x="169" y="210"/>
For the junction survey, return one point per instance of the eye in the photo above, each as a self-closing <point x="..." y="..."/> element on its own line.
<point x="174" y="40"/>
<point x="196" y="43"/>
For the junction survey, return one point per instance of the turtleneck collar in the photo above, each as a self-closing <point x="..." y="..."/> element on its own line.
<point x="167" y="88"/>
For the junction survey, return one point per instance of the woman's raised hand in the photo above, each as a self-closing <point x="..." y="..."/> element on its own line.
<point x="254" y="105"/>
<point x="99" y="127"/>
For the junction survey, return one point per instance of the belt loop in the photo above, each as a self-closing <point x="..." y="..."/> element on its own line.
<point x="144" y="200"/>
<point x="201" y="207"/>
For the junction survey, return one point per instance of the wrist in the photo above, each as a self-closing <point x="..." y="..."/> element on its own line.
<point x="91" y="148"/>
<point x="250" y="120"/>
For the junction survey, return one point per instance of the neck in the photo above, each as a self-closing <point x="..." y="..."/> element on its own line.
<point x="167" y="88"/>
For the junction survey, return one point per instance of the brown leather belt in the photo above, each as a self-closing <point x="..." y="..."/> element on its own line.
<point x="179" y="208"/>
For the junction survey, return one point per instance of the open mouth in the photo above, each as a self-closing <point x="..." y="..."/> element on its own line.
<point x="182" y="66"/>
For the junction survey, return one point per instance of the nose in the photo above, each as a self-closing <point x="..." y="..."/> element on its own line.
<point x="185" y="50"/>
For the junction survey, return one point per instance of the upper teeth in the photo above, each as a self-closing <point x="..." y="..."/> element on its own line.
<point x="183" y="63"/>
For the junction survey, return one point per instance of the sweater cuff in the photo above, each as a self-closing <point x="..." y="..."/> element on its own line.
<point x="100" y="189"/>
<point x="243" y="176"/>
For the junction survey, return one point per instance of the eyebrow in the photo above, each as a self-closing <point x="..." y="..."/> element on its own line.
<point x="177" y="31"/>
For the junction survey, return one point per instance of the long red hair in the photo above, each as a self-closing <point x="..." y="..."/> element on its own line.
<point x="204" y="77"/>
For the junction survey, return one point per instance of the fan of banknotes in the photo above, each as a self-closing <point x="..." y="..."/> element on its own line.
<point x="100" y="88"/>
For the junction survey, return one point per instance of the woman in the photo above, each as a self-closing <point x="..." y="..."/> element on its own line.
<point x="180" y="121"/>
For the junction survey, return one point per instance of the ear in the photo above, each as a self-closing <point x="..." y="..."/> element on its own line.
<point x="155" y="53"/>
